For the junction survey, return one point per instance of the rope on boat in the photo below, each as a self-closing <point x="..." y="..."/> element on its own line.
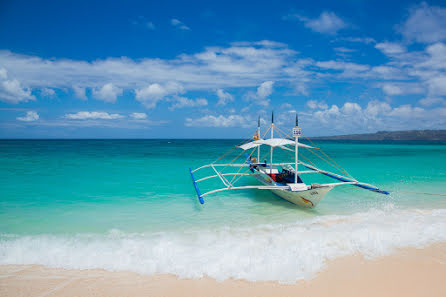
<point x="339" y="166"/>
<point x="229" y="151"/>
<point x="330" y="161"/>
<point x="240" y="169"/>
<point x="263" y="157"/>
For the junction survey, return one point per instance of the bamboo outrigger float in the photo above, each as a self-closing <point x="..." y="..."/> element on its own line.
<point x="283" y="179"/>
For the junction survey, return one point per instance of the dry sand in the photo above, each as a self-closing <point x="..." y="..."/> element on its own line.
<point x="410" y="272"/>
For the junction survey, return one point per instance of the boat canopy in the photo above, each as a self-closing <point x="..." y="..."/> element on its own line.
<point x="273" y="142"/>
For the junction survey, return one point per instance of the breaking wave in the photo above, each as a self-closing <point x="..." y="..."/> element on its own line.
<point x="282" y="252"/>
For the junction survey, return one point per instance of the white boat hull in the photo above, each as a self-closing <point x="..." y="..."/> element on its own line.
<point x="306" y="198"/>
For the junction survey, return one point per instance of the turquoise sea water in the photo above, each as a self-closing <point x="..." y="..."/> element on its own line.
<point x="130" y="205"/>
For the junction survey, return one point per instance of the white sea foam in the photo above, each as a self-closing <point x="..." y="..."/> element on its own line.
<point x="270" y="252"/>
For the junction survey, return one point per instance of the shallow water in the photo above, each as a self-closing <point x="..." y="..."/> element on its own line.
<point x="130" y="205"/>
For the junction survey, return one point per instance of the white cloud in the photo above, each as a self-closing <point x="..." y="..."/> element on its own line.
<point x="260" y="96"/>
<point x="401" y="88"/>
<point x="437" y="85"/>
<point x="181" y="102"/>
<point x="47" y="92"/>
<point x="375" y="108"/>
<point x="138" y="115"/>
<point x="436" y="58"/>
<point x="11" y="90"/>
<point x="30" y="116"/>
<point x="265" y="89"/>
<point x="79" y="92"/>
<point x="328" y="22"/>
<point x="350" y="108"/>
<point x="390" y="48"/>
<point x="153" y="93"/>
<point x="348" y="69"/>
<point x="426" y="24"/>
<point x="3" y="74"/>
<point x="93" y="115"/>
<point x="220" y="121"/>
<point x="344" y="49"/>
<point x="241" y="65"/>
<point x="314" y="104"/>
<point x="378" y="115"/>
<point x="214" y="68"/>
<point x="224" y="97"/>
<point x="390" y="89"/>
<point x="430" y="101"/>
<point x="108" y="92"/>
<point x="366" y="40"/>
<point x="179" y="24"/>
<point x="150" y="95"/>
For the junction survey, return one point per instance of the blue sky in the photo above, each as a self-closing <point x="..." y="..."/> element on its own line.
<point x="199" y="69"/>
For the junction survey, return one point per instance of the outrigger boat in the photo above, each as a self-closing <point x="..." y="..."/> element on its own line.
<point x="282" y="179"/>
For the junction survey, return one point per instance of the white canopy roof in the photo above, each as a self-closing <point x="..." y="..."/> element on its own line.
<point x="273" y="142"/>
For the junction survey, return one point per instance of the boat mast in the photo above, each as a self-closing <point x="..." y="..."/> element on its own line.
<point x="296" y="134"/>
<point x="258" y="135"/>
<point x="272" y="135"/>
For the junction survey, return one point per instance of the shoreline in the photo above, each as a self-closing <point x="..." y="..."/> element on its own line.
<point x="407" y="272"/>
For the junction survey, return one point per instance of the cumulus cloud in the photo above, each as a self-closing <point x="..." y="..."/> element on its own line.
<point x="377" y="115"/>
<point x="179" y="24"/>
<point x="240" y="65"/>
<point x="348" y="69"/>
<point x="182" y="102"/>
<point x="93" y="115"/>
<point x="138" y="115"/>
<point x="246" y="64"/>
<point x="265" y="89"/>
<point x="224" y="97"/>
<point x="401" y="88"/>
<point x="437" y="85"/>
<point x="30" y="116"/>
<point x="11" y="90"/>
<point x="47" y="92"/>
<point x="390" y="89"/>
<point x="220" y="121"/>
<point x="314" y="104"/>
<point x="390" y="48"/>
<point x="260" y="97"/>
<point x="425" y="24"/>
<point x="328" y="22"/>
<point x="108" y="93"/>
<point x="153" y="93"/>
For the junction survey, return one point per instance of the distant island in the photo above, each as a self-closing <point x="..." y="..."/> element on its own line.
<point x="408" y="135"/>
